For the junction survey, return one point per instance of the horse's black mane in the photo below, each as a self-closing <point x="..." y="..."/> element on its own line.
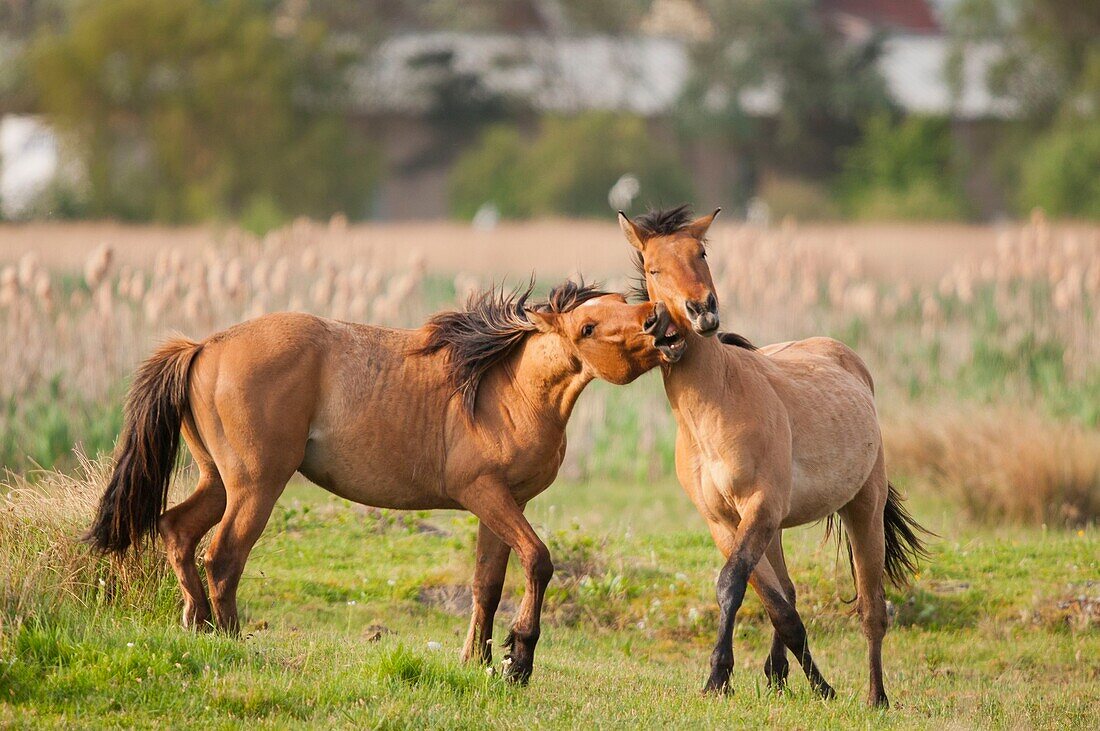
<point x="493" y="324"/>
<point x="665" y="223"/>
<point x="739" y="341"/>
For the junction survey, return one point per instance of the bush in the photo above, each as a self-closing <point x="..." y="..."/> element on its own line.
<point x="798" y="198"/>
<point x="567" y="169"/>
<point x="903" y="170"/>
<point x="1061" y="171"/>
<point x="187" y="109"/>
<point x="1002" y="465"/>
<point x="491" y="173"/>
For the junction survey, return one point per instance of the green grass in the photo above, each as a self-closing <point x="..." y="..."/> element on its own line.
<point x="988" y="636"/>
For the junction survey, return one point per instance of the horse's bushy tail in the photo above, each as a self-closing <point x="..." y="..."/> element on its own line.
<point x="146" y="453"/>
<point x="904" y="546"/>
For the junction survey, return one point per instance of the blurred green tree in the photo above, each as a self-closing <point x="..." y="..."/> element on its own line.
<point x="1060" y="171"/>
<point x="822" y="89"/>
<point x="1049" y="66"/>
<point x="903" y="170"/>
<point x="491" y="172"/>
<point x="567" y="169"/>
<point x="1049" y="52"/>
<point x="189" y="109"/>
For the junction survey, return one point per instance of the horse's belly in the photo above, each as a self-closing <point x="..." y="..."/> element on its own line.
<point x="820" y="487"/>
<point x="381" y="479"/>
<point x="813" y="500"/>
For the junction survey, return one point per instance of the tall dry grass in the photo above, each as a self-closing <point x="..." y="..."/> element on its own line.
<point x="774" y="284"/>
<point x="44" y="567"/>
<point x="1001" y="465"/>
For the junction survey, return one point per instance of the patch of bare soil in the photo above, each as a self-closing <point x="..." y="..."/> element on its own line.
<point x="1078" y="611"/>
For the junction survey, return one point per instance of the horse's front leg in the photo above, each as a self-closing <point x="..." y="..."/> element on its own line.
<point x="492" y="502"/>
<point x="756" y="530"/>
<point x="492" y="564"/>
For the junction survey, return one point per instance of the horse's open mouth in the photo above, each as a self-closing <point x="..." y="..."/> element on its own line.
<point x="668" y="340"/>
<point x="671" y="344"/>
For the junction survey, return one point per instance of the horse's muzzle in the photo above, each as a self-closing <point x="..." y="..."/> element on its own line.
<point x="703" y="315"/>
<point x="667" y="338"/>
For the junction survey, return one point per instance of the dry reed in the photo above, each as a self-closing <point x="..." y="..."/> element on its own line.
<point x="78" y="339"/>
<point x="1002" y="465"/>
<point x="44" y="566"/>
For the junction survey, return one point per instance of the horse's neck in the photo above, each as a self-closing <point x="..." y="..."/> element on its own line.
<point x="706" y="378"/>
<point x="542" y="383"/>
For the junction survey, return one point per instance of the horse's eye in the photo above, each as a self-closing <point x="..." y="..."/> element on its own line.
<point x="654" y="272"/>
<point x="588" y="329"/>
<point x="703" y="255"/>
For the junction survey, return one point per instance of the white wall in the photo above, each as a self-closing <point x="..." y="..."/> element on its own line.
<point x="29" y="163"/>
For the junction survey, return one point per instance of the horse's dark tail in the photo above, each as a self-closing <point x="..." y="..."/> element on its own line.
<point x="904" y="546"/>
<point x="146" y="453"/>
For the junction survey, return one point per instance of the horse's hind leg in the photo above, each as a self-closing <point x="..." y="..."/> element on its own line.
<point x="248" y="508"/>
<point x="183" y="526"/>
<point x="863" y="519"/>
<point x="492" y="565"/>
<point x="776" y="666"/>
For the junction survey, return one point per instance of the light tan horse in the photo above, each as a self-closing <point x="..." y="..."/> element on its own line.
<point x="466" y="412"/>
<point x="766" y="440"/>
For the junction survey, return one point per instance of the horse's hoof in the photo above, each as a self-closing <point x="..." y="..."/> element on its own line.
<point x="718" y="690"/>
<point x="826" y="692"/>
<point x="878" y="701"/>
<point x="718" y="684"/>
<point x="196" y="621"/>
<point x="776" y="675"/>
<point x="515" y="671"/>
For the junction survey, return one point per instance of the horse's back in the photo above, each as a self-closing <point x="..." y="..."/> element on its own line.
<point x="296" y="345"/>
<point x="264" y="357"/>
<point x="829" y="349"/>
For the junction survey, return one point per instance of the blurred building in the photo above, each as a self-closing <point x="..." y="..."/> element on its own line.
<point x="422" y="96"/>
<point x="29" y="163"/>
<point x="411" y="94"/>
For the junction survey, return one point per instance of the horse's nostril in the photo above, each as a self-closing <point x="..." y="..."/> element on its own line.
<point x="712" y="302"/>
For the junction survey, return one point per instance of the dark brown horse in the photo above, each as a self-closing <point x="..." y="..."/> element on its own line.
<point x="468" y="411"/>
<point x="770" y="439"/>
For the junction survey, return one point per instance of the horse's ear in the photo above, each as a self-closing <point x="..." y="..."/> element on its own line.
<point x="544" y="321"/>
<point x="633" y="234"/>
<point x="698" y="227"/>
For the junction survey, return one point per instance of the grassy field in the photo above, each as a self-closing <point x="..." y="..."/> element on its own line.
<point x="354" y="618"/>
<point x="988" y="386"/>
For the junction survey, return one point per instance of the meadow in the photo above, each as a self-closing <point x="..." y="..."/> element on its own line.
<point x="984" y="343"/>
<point x="355" y="617"/>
